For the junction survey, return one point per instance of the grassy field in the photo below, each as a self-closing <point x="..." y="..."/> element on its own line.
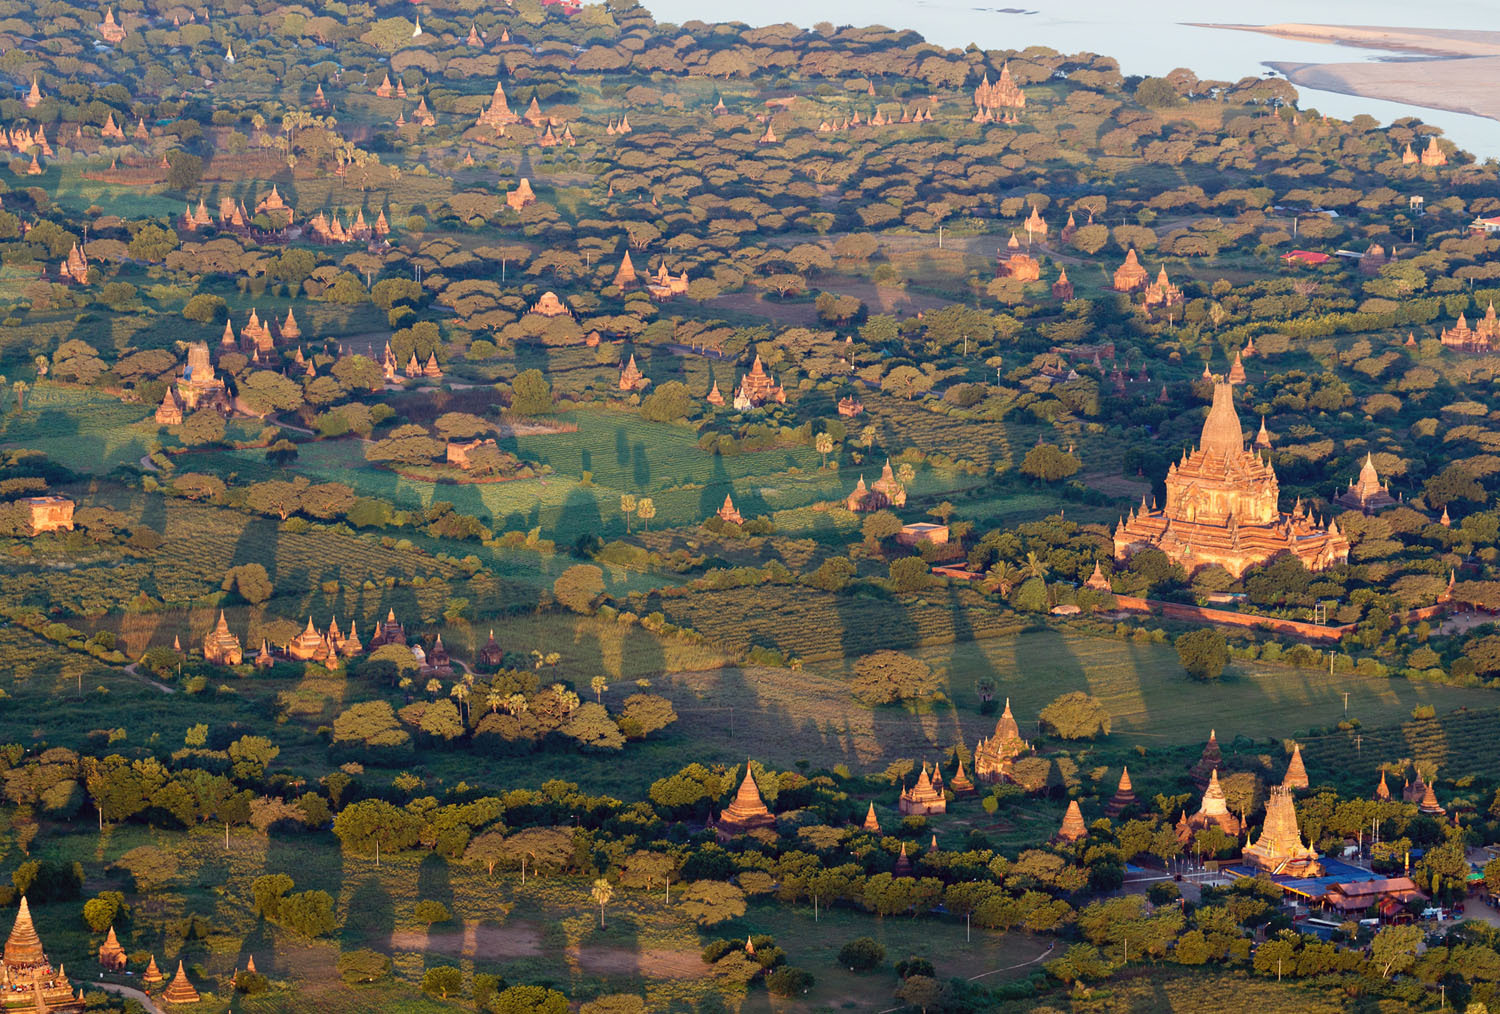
<point x="86" y="431"/>
<point x="622" y="453"/>
<point x="545" y="931"/>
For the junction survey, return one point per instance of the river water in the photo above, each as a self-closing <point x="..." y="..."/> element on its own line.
<point x="1147" y="37"/>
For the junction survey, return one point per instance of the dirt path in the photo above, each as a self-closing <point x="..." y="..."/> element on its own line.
<point x="134" y="670"/>
<point x="134" y="994"/>
<point x="523" y="940"/>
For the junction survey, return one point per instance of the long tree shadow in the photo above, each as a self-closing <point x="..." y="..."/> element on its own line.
<point x="371" y="915"/>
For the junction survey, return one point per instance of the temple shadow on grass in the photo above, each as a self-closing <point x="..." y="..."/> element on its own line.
<point x="371" y="915"/>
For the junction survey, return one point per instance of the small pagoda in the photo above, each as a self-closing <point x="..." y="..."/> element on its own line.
<point x="491" y="656"/>
<point x="960" y="785"/>
<point x="152" y="976"/>
<point x="180" y="990"/>
<point x="111" y="954"/>
<point x="1279" y="849"/>
<point x="631" y="378"/>
<point x="1429" y="805"/>
<point x="625" y="277"/>
<point x="388" y="632"/>
<point x="1382" y="791"/>
<point x="748" y="811"/>
<point x="1296" y="772"/>
<point x="728" y="511"/>
<point x="872" y="822"/>
<point x="1209" y="763"/>
<point x="1123" y="799"/>
<point x="1073" y="828"/>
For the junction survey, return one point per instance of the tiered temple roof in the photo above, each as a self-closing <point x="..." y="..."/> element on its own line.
<point x="993" y="756"/>
<point x="521" y="196"/>
<point x="1429" y="804"/>
<point x="758" y="387"/>
<point x="1162" y="292"/>
<point x="388" y="632"/>
<point x="1222" y="508"/>
<point x="1367" y="493"/>
<point x="1130" y="275"/>
<point x="960" y="783"/>
<point x="1484" y="336"/>
<point x="1279" y="849"/>
<point x="220" y="646"/>
<point x="923" y="798"/>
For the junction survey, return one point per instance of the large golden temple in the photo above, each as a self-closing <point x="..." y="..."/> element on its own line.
<point x="27" y="979"/>
<point x="1222" y="507"/>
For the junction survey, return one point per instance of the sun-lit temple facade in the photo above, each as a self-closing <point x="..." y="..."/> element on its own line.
<point x="27" y="979"/>
<point x="1222" y="508"/>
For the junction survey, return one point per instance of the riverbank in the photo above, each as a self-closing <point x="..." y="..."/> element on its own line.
<point x="1451" y="69"/>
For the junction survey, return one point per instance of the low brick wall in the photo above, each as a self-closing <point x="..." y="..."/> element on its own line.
<point x="1201" y="614"/>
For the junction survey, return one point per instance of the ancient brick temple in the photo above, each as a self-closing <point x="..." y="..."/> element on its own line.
<point x="27" y="979"/>
<point x="1279" y="848"/>
<point x="926" y="797"/>
<point x="747" y="812"/>
<point x="993" y="756"/>
<point x="1212" y="812"/>
<point x="1222" y="507"/>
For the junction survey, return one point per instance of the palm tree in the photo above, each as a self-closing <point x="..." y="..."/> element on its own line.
<point x="646" y="510"/>
<point x="494" y="699"/>
<point x="1006" y="575"/>
<point x="602" y="892"/>
<point x="823" y="444"/>
<point x="1035" y="567"/>
<point x="627" y="508"/>
<point x="598" y="686"/>
<point x="516" y="704"/>
<point x="906" y="473"/>
<point x="434" y="687"/>
<point x="460" y="693"/>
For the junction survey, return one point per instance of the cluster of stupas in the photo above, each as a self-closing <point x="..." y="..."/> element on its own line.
<point x="996" y="103"/>
<point x="198" y="387"/>
<point x="331" y="229"/>
<point x="275" y="208"/>
<point x="1431" y="156"/>
<point x="879" y="495"/>
<point x="325" y="647"/>
<point x="257" y="336"/>
<point x="622" y="127"/>
<point x="1222" y="507"/>
<point x="876" y="119"/>
<point x="384" y="91"/>
<point x="430" y="369"/>
<point x="757" y="388"/>
<point x="74" y="267"/>
<point x="23" y="139"/>
<point x="665" y="285"/>
<point x="1484" y="336"/>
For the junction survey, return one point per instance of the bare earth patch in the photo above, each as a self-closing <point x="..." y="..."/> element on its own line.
<point x="523" y="940"/>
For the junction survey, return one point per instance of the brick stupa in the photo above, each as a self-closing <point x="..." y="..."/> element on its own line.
<point x="27" y="979"/>
<point x="1073" y="829"/>
<point x="111" y="954"/>
<point x="180" y="990"/>
<point x="1296" y="773"/>
<point x="1123" y="799"/>
<point x="872" y="822"/>
<point x="747" y="812"/>
<point x="1209" y="763"/>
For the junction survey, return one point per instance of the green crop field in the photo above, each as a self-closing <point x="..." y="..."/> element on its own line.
<point x="1154" y="703"/>
<point x="87" y="431"/>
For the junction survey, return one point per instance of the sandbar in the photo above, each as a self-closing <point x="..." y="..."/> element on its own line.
<point x="1452" y="69"/>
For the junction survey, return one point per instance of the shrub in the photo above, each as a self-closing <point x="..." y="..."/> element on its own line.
<point x="861" y="954"/>
<point x="441" y="980"/>
<point x="789" y="981"/>
<point x="363" y="965"/>
<point x="430" y="912"/>
<point x="1203" y="653"/>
